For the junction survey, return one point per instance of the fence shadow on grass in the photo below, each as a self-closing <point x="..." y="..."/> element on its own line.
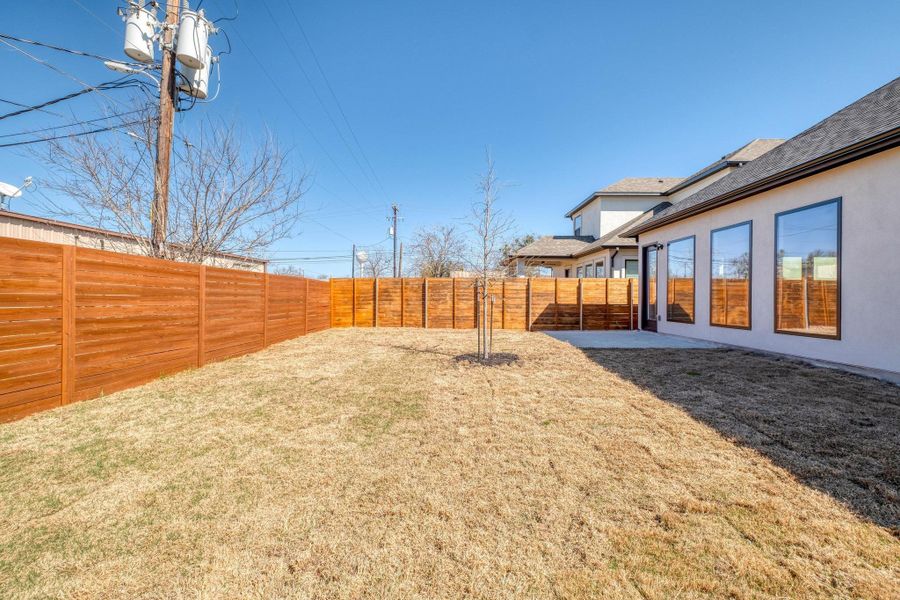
<point x="836" y="432"/>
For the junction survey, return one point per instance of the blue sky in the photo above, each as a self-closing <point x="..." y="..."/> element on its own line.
<point x="569" y="95"/>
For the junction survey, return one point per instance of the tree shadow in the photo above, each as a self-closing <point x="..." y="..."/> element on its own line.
<point x="834" y="431"/>
<point x="496" y="359"/>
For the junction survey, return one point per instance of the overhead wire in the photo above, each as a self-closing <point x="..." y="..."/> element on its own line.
<point x="60" y="48"/>
<point x="299" y="118"/>
<point x="70" y="135"/>
<point x="334" y="96"/>
<point x="315" y="92"/>
<point x="76" y="124"/>
<point x="111" y="85"/>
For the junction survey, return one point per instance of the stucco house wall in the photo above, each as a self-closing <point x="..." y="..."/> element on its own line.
<point x="606" y="213"/>
<point x="870" y="272"/>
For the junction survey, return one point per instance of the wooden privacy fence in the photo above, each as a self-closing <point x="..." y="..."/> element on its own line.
<point x="525" y="304"/>
<point x="76" y="323"/>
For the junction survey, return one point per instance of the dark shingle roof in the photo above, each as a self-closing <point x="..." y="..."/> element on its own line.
<point x="869" y="117"/>
<point x="556" y="246"/>
<point x="641" y="185"/>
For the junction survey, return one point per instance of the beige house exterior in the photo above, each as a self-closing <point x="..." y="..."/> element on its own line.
<point x="39" y="229"/>
<point x="834" y="188"/>
<point x="596" y="248"/>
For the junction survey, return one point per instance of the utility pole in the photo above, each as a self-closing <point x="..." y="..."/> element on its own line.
<point x="159" y="212"/>
<point x="396" y="209"/>
<point x="400" y="262"/>
<point x="353" y="263"/>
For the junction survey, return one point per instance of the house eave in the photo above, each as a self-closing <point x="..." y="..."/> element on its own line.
<point x="874" y="145"/>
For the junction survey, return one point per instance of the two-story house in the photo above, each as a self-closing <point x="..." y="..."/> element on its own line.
<point x="596" y="248"/>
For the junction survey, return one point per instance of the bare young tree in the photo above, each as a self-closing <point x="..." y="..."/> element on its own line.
<point x="228" y="194"/>
<point x="437" y="251"/>
<point x="489" y="227"/>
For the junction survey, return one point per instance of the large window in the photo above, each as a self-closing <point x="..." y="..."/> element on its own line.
<point x="680" y="281"/>
<point x="729" y="295"/>
<point x="576" y="224"/>
<point x="601" y="268"/>
<point x="631" y="268"/>
<point x="578" y="273"/>
<point x="807" y="270"/>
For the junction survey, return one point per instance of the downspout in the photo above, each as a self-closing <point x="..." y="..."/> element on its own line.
<point x="612" y="261"/>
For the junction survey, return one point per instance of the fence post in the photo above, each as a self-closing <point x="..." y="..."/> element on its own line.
<point x="528" y="304"/>
<point x="606" y="301"/>
<point x="503" y="304"/>
<point x="201" y="318"/>
<point x="375" y="306"/>
<point x="556" y="302"/>
<point x="67" y="373"/>
<point x="265" y="310"/>
<point x="630" y="304"/>
<point x="425" y="303"/>
<point x="581" y="304"/>
<point x="402" y="303"/>
<point x="353" y="303"/>
<point x="453" y="303"/>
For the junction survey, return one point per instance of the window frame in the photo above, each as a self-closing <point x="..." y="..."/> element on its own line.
<point x="577" y="222"/>
<point x="601" y="264"/>
<point x="637" y="268"/>
<point x="579" y="272"/>
<point x="838" y="201"/>
<point x="749" y="325"/>
<point x="669" y="318"/>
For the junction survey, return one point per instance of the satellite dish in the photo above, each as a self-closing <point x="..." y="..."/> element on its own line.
<point x="362" y="256"/>
<point x="10" y="191"/>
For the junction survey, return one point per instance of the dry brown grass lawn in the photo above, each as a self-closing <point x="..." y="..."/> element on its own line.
<point x="373" y="464"/>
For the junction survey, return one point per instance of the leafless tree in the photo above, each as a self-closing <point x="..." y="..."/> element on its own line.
<point x="378" y="264"/>
<point x="288" y="270"/>
<point x="227" y="194"/>
<point x="489" y="227"/>
<point x="437" y="251"/>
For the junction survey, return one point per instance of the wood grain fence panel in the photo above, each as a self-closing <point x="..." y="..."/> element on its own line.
<point x="515" y="304"/>
<point x="543" y="303"/>
<point x="413" y="302"/>
<point x="465" y="313"/>
<point x="342" y="298"/>
<point x="567" y="308"/>
<point x="619" y="302"/>
<point x="364" y="306"/>
<point x="235" y="313"/>
<point x="31" y="327"/>
<point x="594" y="309"/>
<point x="440" y="303"/>
<point x="318" y="301"/>
<point x="389" y="302"/>
<point x="286" y="314"/>
<point x="135" y="319"/>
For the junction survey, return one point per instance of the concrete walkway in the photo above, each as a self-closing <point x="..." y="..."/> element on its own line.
<point x="627" y="339"/>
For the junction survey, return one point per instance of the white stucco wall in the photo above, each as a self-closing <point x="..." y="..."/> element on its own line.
<point x="870" y="271"/>
<point x="698" y="185"/>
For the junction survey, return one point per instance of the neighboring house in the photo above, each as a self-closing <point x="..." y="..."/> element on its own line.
<point x="595" y="248"/>
<point x="39" y="229"/>
<point x="794" y="252"/>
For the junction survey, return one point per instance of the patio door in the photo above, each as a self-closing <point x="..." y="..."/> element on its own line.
<point x="649" y="298"/>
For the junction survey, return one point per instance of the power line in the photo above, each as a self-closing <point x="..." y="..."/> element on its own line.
<point x="54" y="68"/>
<point x="99" y="20"/>
<point x="298" y="117"/>
<point x="111" y="85"/>
<point x="49" y="112"/>
<point x="334" y="96"/>
<point x="59" y="48"/>
<point x="315" y="92"/>
<point x="71" y="135"/>
<point x="76" y="124"/>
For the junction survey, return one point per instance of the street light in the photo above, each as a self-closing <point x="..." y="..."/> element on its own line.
<point x="120" y="67"/>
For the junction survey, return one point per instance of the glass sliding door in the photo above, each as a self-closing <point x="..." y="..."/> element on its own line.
<point x="807" y="270"/>
<point x="649" y="291"/>
<point x="680" y="281"/>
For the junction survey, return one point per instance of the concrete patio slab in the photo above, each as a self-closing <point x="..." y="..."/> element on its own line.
<point x="627" y="339"/>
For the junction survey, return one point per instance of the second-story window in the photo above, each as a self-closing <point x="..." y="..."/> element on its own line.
<point x="577" y="224"/>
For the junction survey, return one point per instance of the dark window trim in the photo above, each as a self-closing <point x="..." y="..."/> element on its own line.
<point x="625" y="267"/>
<point x="577" y="223"/>
<point x="643" y="283"/>
<point x="669" y="318"/>
<point x="840" y="281"/>
<point x="749" y="325"/>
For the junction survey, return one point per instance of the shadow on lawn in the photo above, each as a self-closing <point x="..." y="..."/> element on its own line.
<point x="836" y="432"/>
